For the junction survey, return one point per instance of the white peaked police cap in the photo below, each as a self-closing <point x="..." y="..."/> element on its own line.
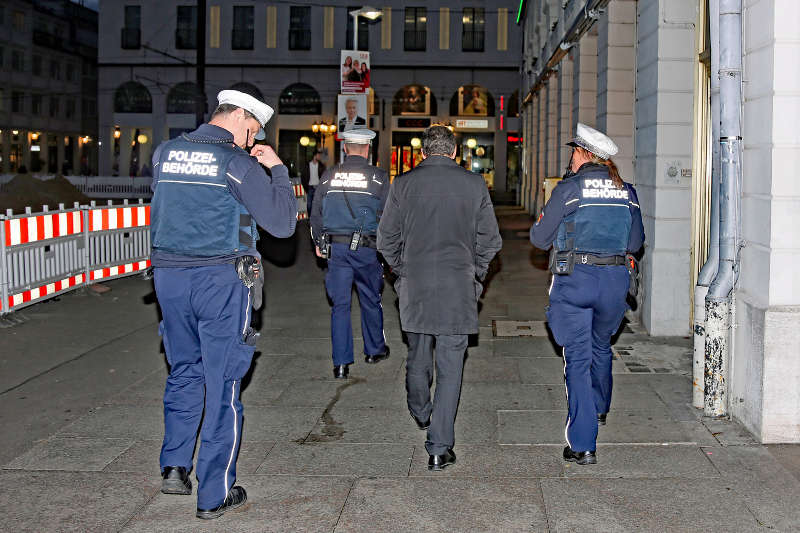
<point x="259" y="109"/>
<point x="596" y="142"/>
<point x="360" y="136"/>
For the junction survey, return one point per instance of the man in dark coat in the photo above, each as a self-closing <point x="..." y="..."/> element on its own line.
<point x="438" y="233"/>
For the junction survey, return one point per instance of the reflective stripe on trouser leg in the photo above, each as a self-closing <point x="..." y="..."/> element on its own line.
<point x="571" y="325"/>
<point x="339" y="284"/>
<point x="368" y="276"/>
<point x="226" y="360"/>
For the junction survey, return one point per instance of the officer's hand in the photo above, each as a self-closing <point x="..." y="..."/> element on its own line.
<point x="319" y="254"/>
<point x="265" y="155"/>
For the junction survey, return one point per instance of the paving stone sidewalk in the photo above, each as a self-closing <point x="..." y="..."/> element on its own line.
<point x="80" y="407"/>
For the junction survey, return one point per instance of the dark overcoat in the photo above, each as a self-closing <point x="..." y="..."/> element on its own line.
<point x="438" y="232"/>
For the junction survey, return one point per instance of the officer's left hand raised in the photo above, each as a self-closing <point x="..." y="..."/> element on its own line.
<point x="265" y="155"/>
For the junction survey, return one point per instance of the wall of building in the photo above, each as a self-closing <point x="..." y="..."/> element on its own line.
<point x="56" y="103"/>
<point x="765" y="368"/>
<point x="271" y="66"/>
<point x="665" y="62"/>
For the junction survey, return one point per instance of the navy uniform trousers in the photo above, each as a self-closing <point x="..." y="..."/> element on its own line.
<point x="361" y="267"/>
<point x="206" y="315"/>
<point x="586" y="308"/>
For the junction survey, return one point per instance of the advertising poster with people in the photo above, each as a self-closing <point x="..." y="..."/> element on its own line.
<point x="474" y="101"/>
<point x="355" y="71"/>
<point x="412" y="100"/>
<point x="352" y="113"/>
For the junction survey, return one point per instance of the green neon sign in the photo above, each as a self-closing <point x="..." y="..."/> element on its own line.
<point x="519" y="11"/>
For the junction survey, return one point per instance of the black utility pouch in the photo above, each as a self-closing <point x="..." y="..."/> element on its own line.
<point x="562" y="263"/>
<point x="633" y="271"/>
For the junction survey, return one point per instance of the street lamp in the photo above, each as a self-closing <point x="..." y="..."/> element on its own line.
<point x="369" y="12"/>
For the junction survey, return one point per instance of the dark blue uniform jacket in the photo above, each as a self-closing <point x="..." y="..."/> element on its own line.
<point x="269" y="198"/>
<point x="565" y="200"/>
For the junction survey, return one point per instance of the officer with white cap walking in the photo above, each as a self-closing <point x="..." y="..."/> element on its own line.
<point x="344" y="221"/>
<point x="590" y="224"/>
<point x="210" y="191"/>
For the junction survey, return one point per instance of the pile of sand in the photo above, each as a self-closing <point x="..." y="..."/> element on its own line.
<point x="26" y="191"/>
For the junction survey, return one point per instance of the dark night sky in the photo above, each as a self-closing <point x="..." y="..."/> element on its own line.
<point x="92" y="4"/>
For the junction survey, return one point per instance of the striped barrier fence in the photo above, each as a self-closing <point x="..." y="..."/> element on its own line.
<point x="46" y="254"/>
<point x="300" y="194"/>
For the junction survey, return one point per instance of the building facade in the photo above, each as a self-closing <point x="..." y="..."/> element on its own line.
<point x="48" y="87"/>
<point x="424" y="59"/>
<point x="642" y="71"/>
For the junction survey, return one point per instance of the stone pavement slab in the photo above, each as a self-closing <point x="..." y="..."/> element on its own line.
<point x="443" y="504"/>
<point x="770" y="491"/>
<point x="663" y="505"/>
<point x="482" y="461"/>
<point x="38" y="501"/>
<point x="547" y="427"/>
<point x="650" y="461"/>
<point x="338" y="459"/>
<point x="511" y="396"/>
<point x="71" y="453"/>
<point x="354" y="392"/>
<point x="143" y="456"/>
<point x="275" y="504"/>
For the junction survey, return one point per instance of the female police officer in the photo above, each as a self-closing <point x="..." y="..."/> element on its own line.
<point x="591" y="221"/>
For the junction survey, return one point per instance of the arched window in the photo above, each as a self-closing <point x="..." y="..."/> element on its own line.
<point x="472" y="101"/>
<point x="182" y="98"/>
<point x="299" y="99"/>
<point x="248" y="88"/>
<point x="132" y="97"/>
<point x="414" y="100"/>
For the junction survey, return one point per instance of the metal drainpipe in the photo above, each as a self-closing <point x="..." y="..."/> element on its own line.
<point x="709" y="270"/>
<point x="718" y="300"/>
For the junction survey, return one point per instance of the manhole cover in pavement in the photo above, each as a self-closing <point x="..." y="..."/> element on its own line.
<point x="512" y="328"/>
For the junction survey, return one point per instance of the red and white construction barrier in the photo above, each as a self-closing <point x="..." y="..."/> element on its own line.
<point x="119" y="270"/>
<point x="40" y="227"/>
<point x="101" y="219"/>
<point x="51" y="289"/>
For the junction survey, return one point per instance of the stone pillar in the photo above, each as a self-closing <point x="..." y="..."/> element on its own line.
<point x="541" y="147"/>
<point x="552" y="126"/>
<point x="616" y="63"/>
<point x="61" y="149"/>
<point x="125" y="140"/>
<point x="584" y="89"/>
<point x="565" y="132"/>
<point x="764" y="365"/>
<point x="500" y="161"/>
<point x="5" y="143"/>
<point x="664" y="116"/>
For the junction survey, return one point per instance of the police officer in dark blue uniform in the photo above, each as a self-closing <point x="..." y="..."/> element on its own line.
<point x="592" y="221"/>
<point x="344" y="222"/>
<point x="209" y="194"/>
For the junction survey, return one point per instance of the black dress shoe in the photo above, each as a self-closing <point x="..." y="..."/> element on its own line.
<point x="175" y="480"/>
<point x="341" y="371"/>
<point x="422" y="424"/>
<point x="236" y="498"/>
<point x="582" y="458"/>
<point x="371" y="359"/>
<point x="438" y="462"/>
<point x="601" y="419"/>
